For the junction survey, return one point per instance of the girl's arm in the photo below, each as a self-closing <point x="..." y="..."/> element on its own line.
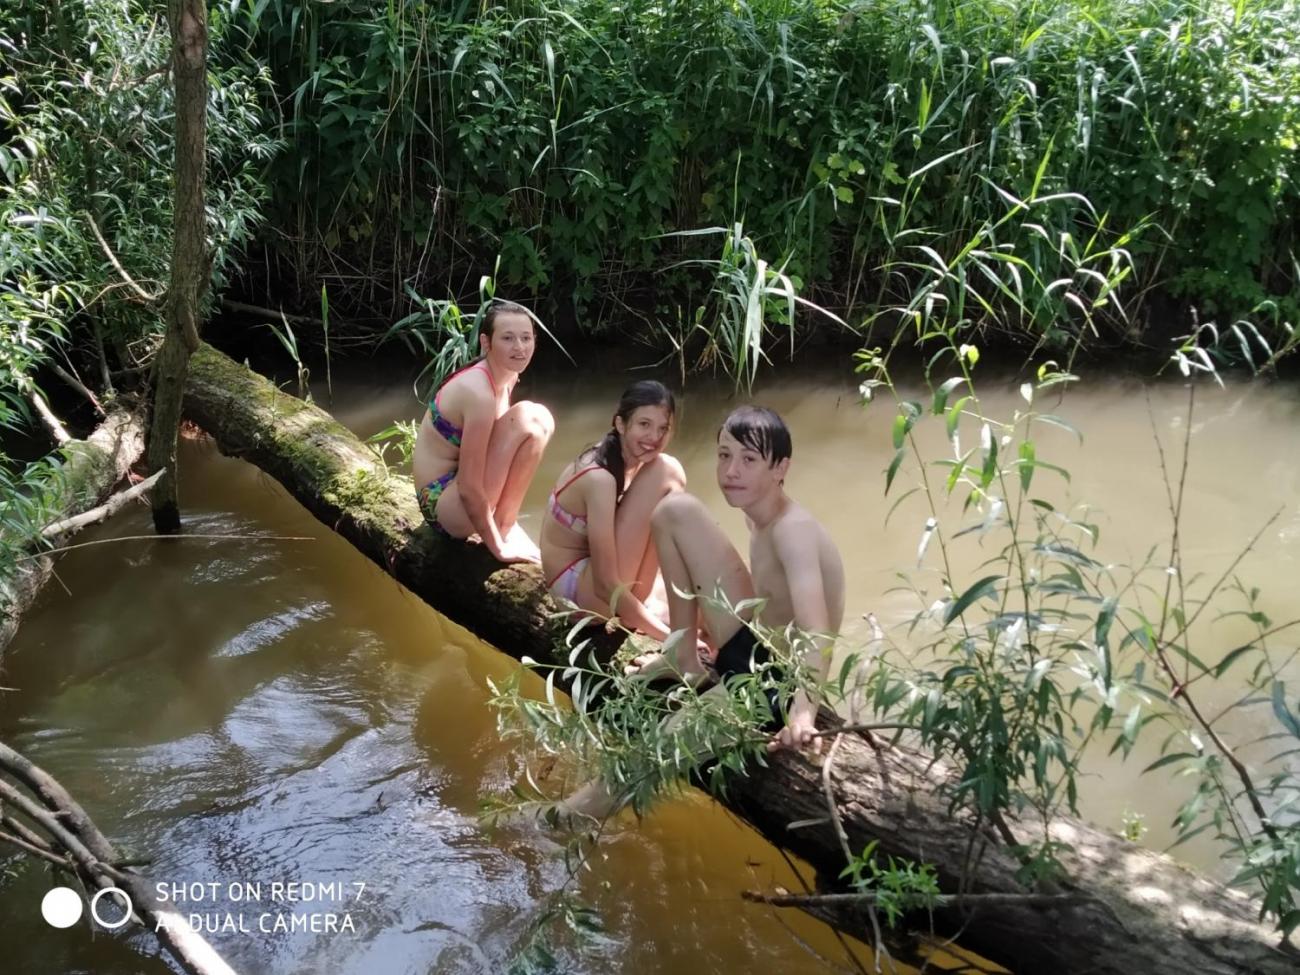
<point x="598" y="491"/>
<point x="480" y="415"/>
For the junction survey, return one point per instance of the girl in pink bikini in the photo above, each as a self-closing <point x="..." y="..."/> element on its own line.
<point x="596" y="531"/>
<point x="476" y="454"/>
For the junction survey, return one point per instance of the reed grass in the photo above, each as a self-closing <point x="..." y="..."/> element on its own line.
<point x="864" y="145"/>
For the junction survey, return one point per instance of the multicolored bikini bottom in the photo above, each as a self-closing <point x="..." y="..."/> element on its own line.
<point x="428" y="498"/>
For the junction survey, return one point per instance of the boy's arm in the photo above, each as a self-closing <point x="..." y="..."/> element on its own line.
<point x="797" y="550"/>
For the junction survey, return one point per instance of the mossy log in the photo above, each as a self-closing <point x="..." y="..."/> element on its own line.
<point x="1132" y="910"/>
<point x="348" y="487"/>
<point x="89" y="470"/>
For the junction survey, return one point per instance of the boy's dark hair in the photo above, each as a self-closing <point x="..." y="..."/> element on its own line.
<point x="760" y="429"/>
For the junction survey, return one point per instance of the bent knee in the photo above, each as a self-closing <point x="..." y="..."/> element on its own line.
<point x="535" y="420"/>
<point x="676" y="508"/>
<point x="669" y="471"/>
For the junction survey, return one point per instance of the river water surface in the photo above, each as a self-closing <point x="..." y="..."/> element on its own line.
<point x="263" y="710"/>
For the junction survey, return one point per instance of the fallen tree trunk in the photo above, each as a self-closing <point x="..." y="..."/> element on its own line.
<point x="1129" y="909"/>
<point x="90" y="469"/>
<point x="348" y="487"/>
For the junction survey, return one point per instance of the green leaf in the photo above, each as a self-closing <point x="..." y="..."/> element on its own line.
<point x="1053" y="420"/>
<point x="1169" y="760"/>
<point x="984" y="587"/>
<point x="894" y="465"/>
<point x="908" y="411"/>
<point x="844" y="194"/>
<point x="941" y="394"/>
<point x="954" y="415"/>
<point x="1127" y="736"/>
<point x="1230" y="658"/>
<point x="1284" y="715"/>
<point x="1026" y="464"/>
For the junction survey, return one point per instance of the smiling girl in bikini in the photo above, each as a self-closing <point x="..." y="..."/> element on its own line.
<point x="596" y="547"/>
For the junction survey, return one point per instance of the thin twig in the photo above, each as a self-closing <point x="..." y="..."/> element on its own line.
<point x="154" y="538"/>
<point x="848" y="950"/>
<point x="24" y="833"/>
<point x="43" y="852"/>
<point x="112" y="258"/>
<point x="270" y="312"/>
<point x="105" y="377"/>
<point x="828" y="791"/>
<point x="78" y="385"/>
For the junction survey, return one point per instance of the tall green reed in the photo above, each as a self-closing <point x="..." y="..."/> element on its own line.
<point x="577" y="140"/>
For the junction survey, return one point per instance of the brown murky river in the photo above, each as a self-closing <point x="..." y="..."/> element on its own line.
<point x="259" y="711"/>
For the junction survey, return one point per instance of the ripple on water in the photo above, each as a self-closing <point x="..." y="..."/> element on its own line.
<point x="266" y="631"/>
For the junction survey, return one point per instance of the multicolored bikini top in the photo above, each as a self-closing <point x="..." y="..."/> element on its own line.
<point x="575" y="523"/>
<point x="446" y="429"/>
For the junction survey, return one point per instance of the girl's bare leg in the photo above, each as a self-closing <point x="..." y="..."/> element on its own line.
<point x="637" y="559"/>
<point x="514" y="450"/>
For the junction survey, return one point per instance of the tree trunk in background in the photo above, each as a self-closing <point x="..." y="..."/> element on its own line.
<point x="1137" y="911"/>
<point x="188" y="20"/>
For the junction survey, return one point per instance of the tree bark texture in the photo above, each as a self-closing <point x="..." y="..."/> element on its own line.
<point x="90" y="469"/>
<point x="1138" y="912"/>
<point x="188" y="20"/>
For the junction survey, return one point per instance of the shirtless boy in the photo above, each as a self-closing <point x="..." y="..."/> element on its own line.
<point x="794" y="565"/>
<point x="796" y="570"/>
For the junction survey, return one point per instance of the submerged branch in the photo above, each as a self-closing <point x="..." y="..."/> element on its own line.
<point x="91" y="856"/>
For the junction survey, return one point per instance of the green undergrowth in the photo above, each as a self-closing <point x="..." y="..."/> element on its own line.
<point x="860" y="144"/>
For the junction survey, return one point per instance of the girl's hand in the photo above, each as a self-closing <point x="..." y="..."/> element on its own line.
<point x="513" y="551"/>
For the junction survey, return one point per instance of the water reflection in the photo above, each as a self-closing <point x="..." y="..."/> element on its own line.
<point x="260" y="709"/>
<point x="257" y="711"/>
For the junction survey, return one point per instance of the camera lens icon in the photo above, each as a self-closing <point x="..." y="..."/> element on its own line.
<point x="61" y="907"/>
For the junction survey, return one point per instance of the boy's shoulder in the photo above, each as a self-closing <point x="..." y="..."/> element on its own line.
<point x="796" y="526"/>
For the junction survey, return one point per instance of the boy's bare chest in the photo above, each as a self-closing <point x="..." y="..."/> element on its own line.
<point x="770" y="582"/>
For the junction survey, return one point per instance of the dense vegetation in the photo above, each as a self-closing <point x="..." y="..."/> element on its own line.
<point x="860" y="143"/>
<point x="1059" y="171"/>
<point x="86" y="204"/>
<point x="1066" y="173"/>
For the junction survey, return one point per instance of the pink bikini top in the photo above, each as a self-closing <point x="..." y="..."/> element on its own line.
<point x="575" y="523"/>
